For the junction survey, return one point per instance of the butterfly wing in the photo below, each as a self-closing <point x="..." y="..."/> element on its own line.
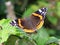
<point x="31" y="24"/>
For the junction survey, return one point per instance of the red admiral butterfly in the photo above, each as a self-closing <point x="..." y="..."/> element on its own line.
<point x="33" y="23"/>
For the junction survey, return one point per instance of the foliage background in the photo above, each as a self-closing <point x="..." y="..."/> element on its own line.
<point x="49" y="34"/>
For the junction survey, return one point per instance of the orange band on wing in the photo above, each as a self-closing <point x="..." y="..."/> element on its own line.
<point x="19" y="22"/>
<point x="29" y="30"/>
<point x="40" y="24"/>
<point x="25" y="30"/>
<point x="38" y="15"/>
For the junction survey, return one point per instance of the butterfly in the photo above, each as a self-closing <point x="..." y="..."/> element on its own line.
<point x="32" y="23"/>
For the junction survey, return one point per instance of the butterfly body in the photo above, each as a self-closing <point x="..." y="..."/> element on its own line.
<point x="33" y="23"/>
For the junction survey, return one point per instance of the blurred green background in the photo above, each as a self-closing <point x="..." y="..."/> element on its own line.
<point x="50" y="32"/>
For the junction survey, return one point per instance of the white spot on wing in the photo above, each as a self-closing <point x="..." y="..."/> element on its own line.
<point x="14" y="21"/>
<point x="40" y="10"/>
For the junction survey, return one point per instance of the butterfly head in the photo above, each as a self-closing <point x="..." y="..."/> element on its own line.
<point x="42" y="12"/>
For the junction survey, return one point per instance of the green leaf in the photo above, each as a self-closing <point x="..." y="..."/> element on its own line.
<point x="58" y="9"/>
<point x="52" y="40"/>
<point x="8" y="29"/>
<point x="41" y="37"/>
<point x="30" y="10"/>
<point x="42" y="3"/>
<point x="52" y="19"/>
<point x="51" y="31"/>
<point x="27" y="42"/>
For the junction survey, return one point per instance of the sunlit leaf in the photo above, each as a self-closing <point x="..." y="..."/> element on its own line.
<point x="7" y="30"/>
